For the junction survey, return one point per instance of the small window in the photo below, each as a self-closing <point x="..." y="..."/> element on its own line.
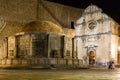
<point x="72" y="25"/>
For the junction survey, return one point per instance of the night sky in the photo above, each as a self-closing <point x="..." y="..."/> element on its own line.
<point x="110" y="7"/>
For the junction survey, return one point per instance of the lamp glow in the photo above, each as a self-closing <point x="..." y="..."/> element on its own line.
<point x="119" y="48"/>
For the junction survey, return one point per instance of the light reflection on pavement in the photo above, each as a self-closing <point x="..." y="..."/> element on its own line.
<point x="78" y="74"/>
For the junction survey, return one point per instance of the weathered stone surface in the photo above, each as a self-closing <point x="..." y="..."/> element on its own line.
<point x="60" y="14"/>
<point x="62" y="61"/>
<point x="23" y="45"/>
<point x="15" y="62"/>
<point x="9" y="62"/>
<point x="55" y="45"/>
<point x="3" y="62"/>
<point x="25" y="11"/>
<point x="96" y="36"/>
<point x="24" y="62"/>
<point x="68" y="47"/>
<point x="42" y="26"/>
<point x="53" y="61"/>
<point x="18" y="10"/>
<point x="39" y="44"/>
<point x="69" y="61"/>
<point x="43" y="41"/>
<point x="11" y="47"/>
<point x="75" y="62"/>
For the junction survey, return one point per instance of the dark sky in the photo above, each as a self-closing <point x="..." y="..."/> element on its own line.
<point x="110" y="7"/>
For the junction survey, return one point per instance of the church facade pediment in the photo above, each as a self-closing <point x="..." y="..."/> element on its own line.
<point x="92" y="21"/>
<point x="92" y="9"/>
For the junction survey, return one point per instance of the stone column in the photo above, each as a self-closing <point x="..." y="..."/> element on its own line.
<point x="73" y="48"/>
<point x="109" y="46"/>
<point x="80" y="51"/>
<point x="16" y="47"/>
<point x="48" y="49"/>
<point x="78" y="29"/>
<point x="31" y="43"/>
<point x="64" y="47"/>
<point x="4" y="49"/>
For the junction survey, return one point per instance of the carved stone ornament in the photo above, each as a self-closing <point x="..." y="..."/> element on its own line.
<point x="92" y="25"/>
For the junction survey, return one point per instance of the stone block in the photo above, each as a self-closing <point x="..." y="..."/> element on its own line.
<point x="52" y="61"/>
<point x="31" y="61"/>
<point x="41" y="61"/>
<point x="3" y="62"/>
<point x="46" y="61"/>
<point x="62" y="61"/>
<point x="75" y="62"/>
<point x="24" y="62"/>
<point x="69" y="61"/>
<point x="9" y="62"/>
<point x="15" y="62"/>
<point x="80" y="62"/>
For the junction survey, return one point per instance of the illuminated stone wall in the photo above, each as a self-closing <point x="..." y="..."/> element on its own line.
<point x="114" y="41"/>
<point x="3" y="49"/>
<point x="18" y="10"/>
<point x="68" y="47"/>
<point x="61" y="14"/>
<point x="11" y="47"/>
<point x="23" y="45"/>
<point x="114" y="47"/>
<point x="96" y="32"/>
<point x="25" y="11"/>
<point x="55" y="45"/>
<point x="39" y="45"/>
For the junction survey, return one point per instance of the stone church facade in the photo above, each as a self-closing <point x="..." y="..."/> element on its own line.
<point x="97" y="37"/>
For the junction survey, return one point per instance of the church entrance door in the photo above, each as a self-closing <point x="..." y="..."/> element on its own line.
<point x="91" y="57"/>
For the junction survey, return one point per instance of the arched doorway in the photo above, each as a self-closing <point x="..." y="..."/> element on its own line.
<point x="91" y="55"/>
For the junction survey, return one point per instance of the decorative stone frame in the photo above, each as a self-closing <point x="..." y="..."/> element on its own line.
<point x="90" y="24"/>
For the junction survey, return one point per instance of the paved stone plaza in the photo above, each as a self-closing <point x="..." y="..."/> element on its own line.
<point x="81" y="74"/>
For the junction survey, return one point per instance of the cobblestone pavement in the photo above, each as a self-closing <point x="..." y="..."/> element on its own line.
<point x="79" y="74"/>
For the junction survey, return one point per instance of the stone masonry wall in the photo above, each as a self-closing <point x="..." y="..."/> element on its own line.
<point x="11" y="47"/>
<point x="23" y="46"/>
<point x="39" y="45"/>
<point x="68" y="47"/>
<point x="42" y="63"/>
<point x="25" y="11"/>
<point x="60" y="14"/>
<point x="55" y="45"/>
<point x="18" y="10"/>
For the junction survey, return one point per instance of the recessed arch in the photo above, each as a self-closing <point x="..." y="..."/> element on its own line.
<point x="91" y="55"/>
